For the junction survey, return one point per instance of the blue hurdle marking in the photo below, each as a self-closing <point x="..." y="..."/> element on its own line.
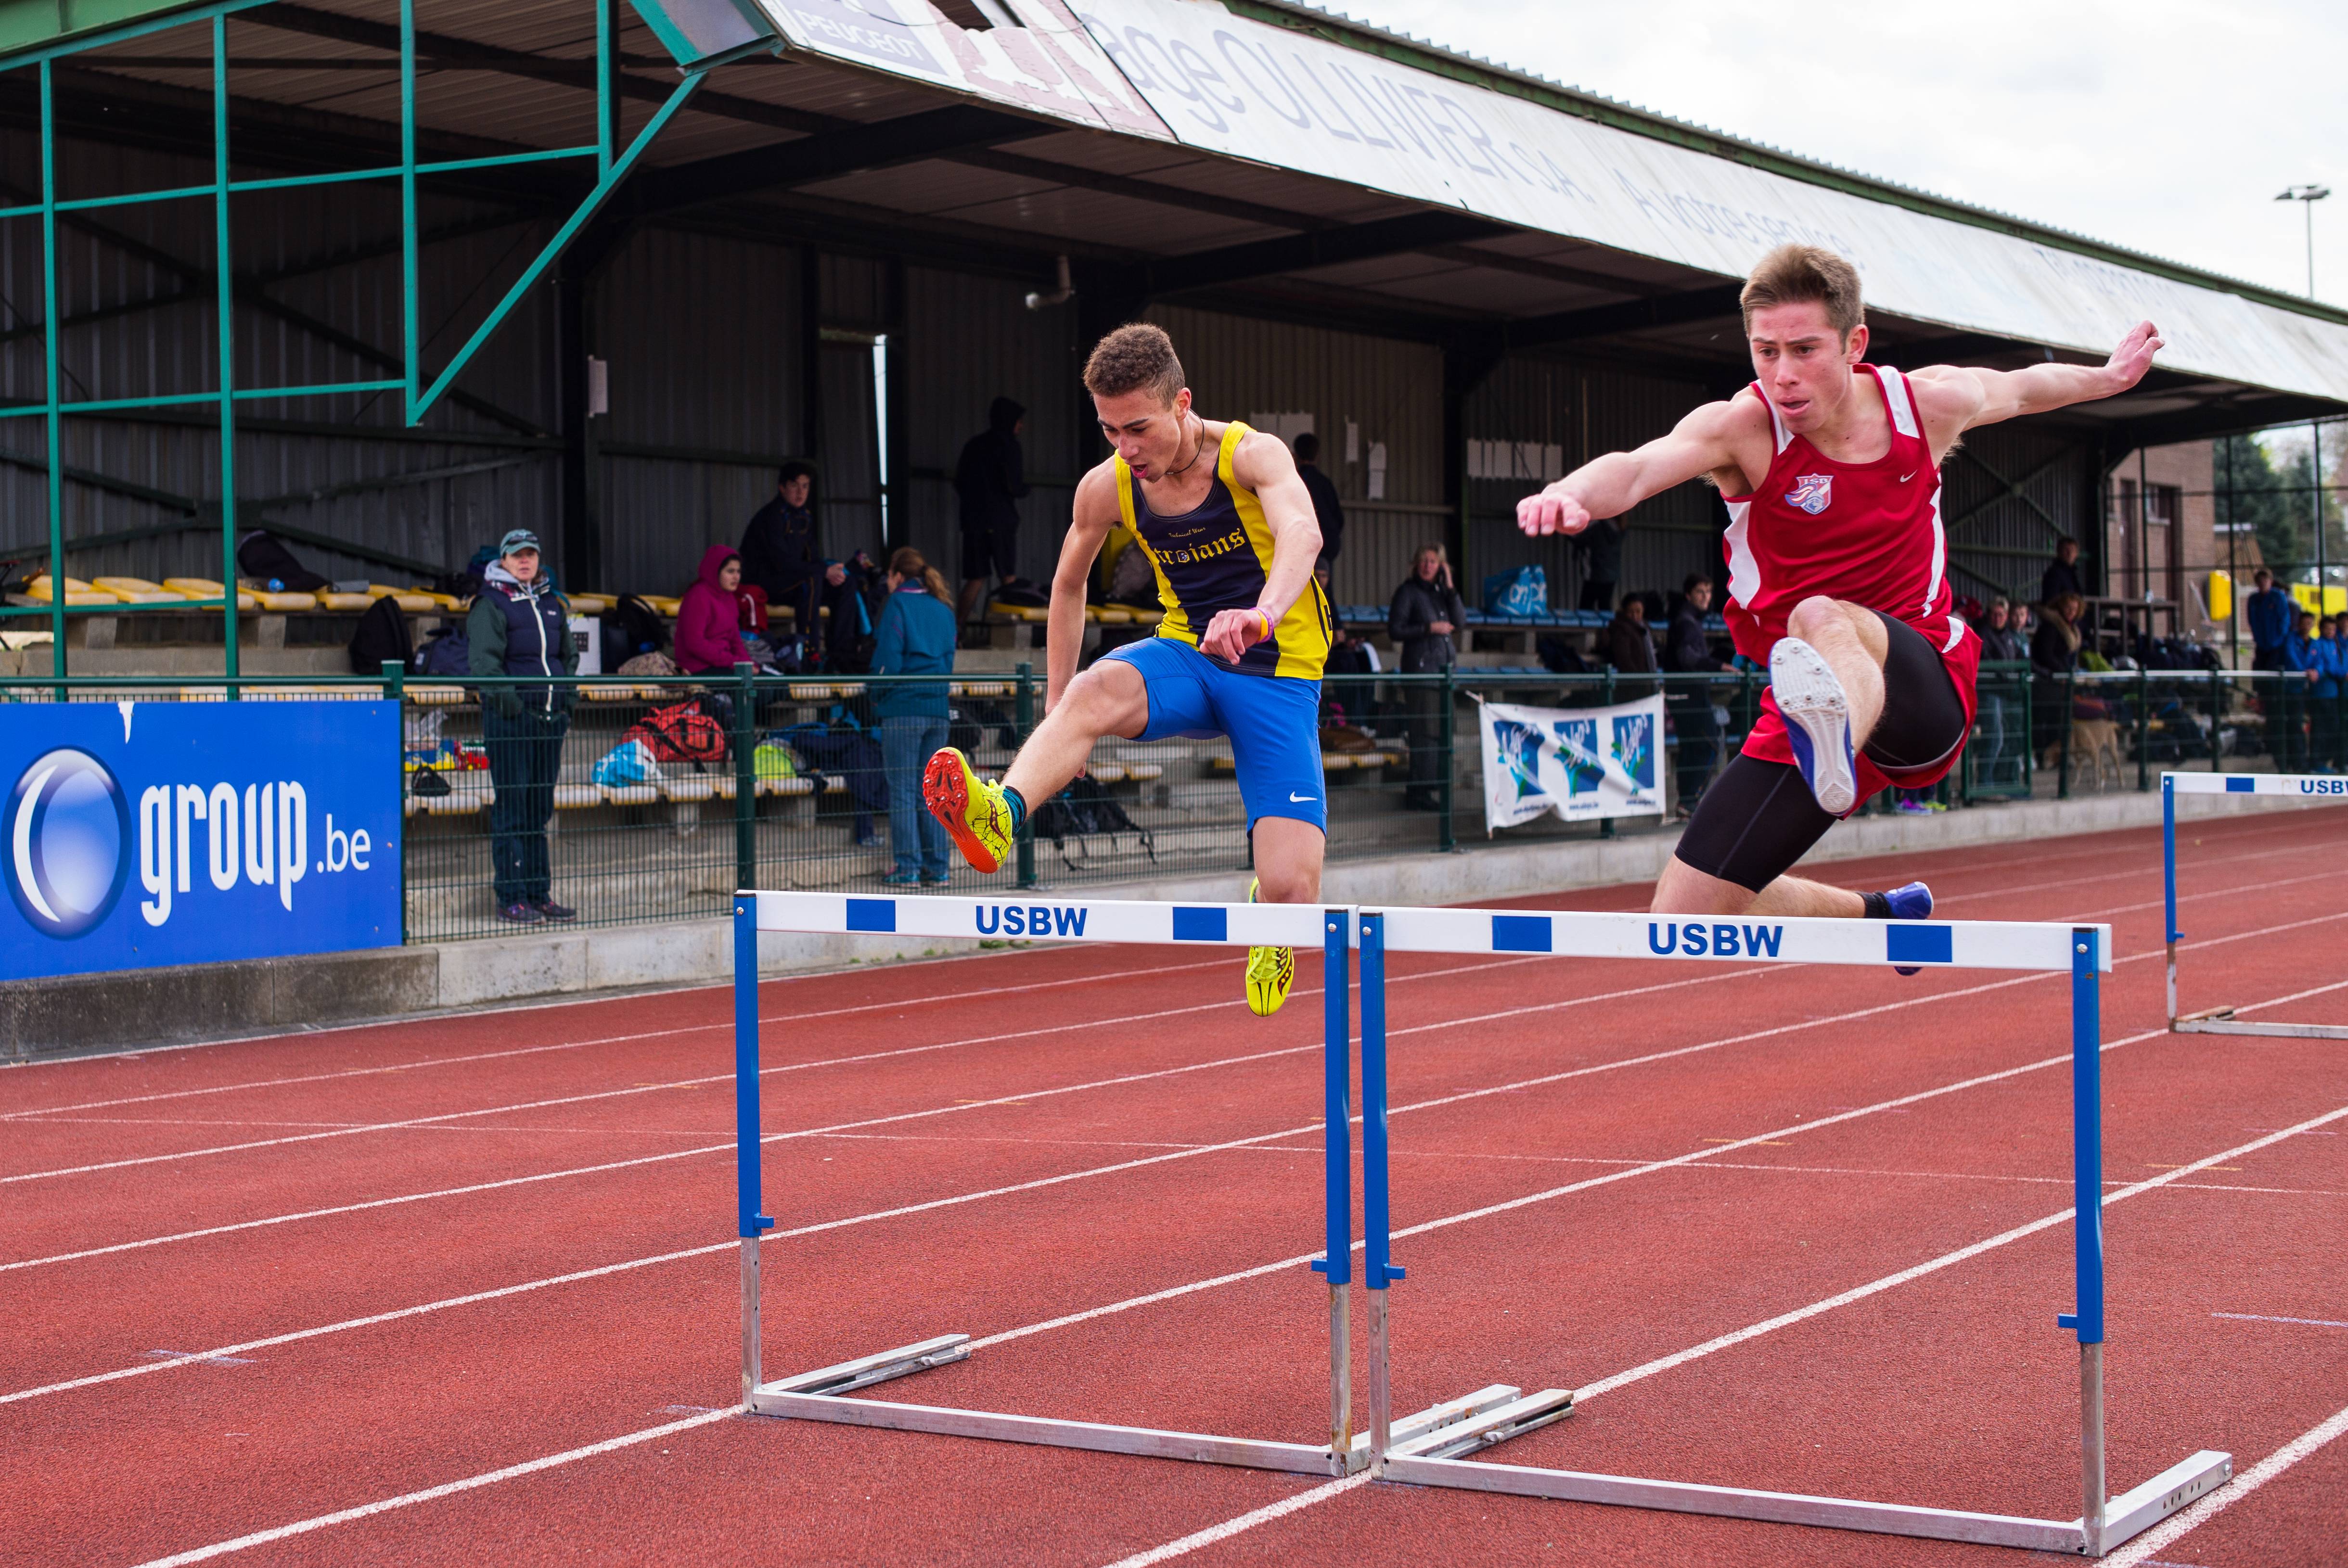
<point x="1038" y="917"/>
<point x="2303" y="784"/>
<point x="1948" y="944"/>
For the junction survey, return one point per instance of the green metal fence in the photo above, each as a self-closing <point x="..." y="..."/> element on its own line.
<point x="797" y="795"/>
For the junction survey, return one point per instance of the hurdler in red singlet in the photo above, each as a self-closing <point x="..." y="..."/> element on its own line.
<point x="1867" y="534"/>
<point x="1837" y="575"/>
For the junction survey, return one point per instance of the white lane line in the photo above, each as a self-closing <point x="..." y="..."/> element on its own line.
<point x="727" y="1024"/>
<point x="837" y="1129"/>
<point x="1661" y="1364"/>
<point x="434" y="1493"/>
<point x="2274" y="1465"/>
<point x="980" y="1040"/>
<point x="868" y="1056"/>
<point x="2304" y="1322"/>
<point x="2139" y="1551"/>
<point x="1245" y="1522"/>
<point x="1933" y="1266"/>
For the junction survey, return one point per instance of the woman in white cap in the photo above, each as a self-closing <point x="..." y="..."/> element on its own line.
<point x="521" y="626"/>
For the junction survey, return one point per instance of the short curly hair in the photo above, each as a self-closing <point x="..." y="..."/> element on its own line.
<point x="1805" y="274"/>
<point x="1135" y="356"/>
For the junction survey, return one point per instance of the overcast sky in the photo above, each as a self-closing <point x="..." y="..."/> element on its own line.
<point x="2165" y="125"/>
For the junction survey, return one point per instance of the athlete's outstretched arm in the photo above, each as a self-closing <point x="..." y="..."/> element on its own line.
<point x="1096" y="514"/>
<point x="1955" y="398"/>
<point x="1606" y="487"/>
<point x="1262" y="464"/>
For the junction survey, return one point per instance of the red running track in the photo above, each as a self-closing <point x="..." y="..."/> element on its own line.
<point x="466" y="1290"/>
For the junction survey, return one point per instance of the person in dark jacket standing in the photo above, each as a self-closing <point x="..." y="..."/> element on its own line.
<point x="1425" y="614"/>
<point x="2062" y="574"/>
<point x="988" y="482"/>
<point x="2270" y="612"/>
<point x="1687" y="651"/>
<point x="781" y="553"/>
<point x="916" y="638"/>
<point x="1602" y="563"/>
<point x="519" y="626"/>
<point x="1327" y="509"/>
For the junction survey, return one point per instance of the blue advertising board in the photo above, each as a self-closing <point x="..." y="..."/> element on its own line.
<point x="139" y="834"/>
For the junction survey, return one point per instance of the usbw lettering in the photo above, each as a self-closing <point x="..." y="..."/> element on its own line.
<point x="1714" y="939"/>
<point x="261" y="836"/>
<point x="1029" y="920"/>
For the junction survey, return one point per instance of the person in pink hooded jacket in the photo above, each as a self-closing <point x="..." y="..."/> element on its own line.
<point x="708" y="619"/>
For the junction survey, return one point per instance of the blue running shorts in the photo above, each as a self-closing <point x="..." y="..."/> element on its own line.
<point x="1273" y="722"/>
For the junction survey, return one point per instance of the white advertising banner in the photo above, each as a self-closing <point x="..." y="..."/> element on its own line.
<point x="1275" y="96"/>
<point x="1048" y="63"/>
<point x="1581" y="764"/>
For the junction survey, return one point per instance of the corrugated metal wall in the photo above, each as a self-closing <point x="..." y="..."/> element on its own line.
<point x="968" y="340"/>
<point x="2001" y="541"/>
<point x="1585" y="409"/>
<point x="1392" y="390"/>
<point x="703" y="338"/>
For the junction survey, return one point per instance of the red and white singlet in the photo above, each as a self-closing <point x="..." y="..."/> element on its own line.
<point x="1866" y="533"/>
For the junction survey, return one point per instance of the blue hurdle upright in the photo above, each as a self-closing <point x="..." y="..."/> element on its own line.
<point x="2083" y="951"/>
<point x="2297" y="787"/>
<point x="824" y="1394"/>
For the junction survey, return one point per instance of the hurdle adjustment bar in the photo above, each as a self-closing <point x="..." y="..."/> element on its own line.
<point x="2221" y="1019"/>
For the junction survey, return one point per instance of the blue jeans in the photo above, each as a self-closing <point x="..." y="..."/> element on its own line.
<point x="906" y="747"/>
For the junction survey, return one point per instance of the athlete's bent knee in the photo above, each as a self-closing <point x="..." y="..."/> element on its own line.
<point x="1682" y="889"/>
<point x="1814" y="615"/>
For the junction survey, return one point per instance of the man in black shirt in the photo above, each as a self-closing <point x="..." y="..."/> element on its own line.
<point x="988" y="482"/>
<point x="1687" y="651"/>
<point x="1426" y="614"/>
<point x="1602" y="563"/>
<point x="1325" y="509"/>
<point x="2062" y="574"/>
<point x="781" y="553"/>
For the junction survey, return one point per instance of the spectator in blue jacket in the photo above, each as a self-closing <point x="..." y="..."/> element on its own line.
<point x="2329" y="655"/>
<point x="2287" y="715"/>
<point x="2268" y="612"/>
<point x="916" y="637"/>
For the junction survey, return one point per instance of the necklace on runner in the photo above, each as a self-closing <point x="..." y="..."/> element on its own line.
<point x="1195" y="453"/>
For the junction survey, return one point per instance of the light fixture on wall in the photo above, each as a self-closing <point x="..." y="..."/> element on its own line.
<point x="1059" y="296"/>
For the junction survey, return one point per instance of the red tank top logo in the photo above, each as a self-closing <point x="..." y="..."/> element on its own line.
<point x="1812" y="492"/>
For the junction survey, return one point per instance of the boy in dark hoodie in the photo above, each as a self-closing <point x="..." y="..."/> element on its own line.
<point x="988" y="482"/>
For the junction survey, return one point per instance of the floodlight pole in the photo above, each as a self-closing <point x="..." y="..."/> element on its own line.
<point x="2307" y="196"/>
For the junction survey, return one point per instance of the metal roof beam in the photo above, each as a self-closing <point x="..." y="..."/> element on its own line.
<point x="1319" y="248"/>
<point x="909" y="138"/>
<point x="1608" y="321"/>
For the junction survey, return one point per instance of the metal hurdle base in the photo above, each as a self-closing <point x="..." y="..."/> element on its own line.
<point x="1459" y="1425"/>
<point x="2221" y="1020"/>
<point x="2122" y="1517"/>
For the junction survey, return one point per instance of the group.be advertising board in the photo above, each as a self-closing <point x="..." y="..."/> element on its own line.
<point x="145" y="833"/>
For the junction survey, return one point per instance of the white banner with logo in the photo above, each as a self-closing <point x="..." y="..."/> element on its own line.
<point x="1582" y="764"/>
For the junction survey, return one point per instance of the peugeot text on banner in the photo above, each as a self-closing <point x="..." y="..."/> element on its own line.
<point x="140" y="833"/>
<point x="1580" y="762"/>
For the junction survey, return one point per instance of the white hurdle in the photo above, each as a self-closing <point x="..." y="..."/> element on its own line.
<point x="824" y="1395"/>
<point x="2296" y="786"/>
<point x="2085" y="951"/>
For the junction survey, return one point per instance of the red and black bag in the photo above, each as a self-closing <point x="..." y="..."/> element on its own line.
<point x="683" y="733"/>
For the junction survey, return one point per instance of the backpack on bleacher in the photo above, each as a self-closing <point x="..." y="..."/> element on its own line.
<point x="447" y="651"/>
<point x="381" y="638"/>
<point x="680" y="733"/>
<point x="631" y="627"/>
<point x="1524" y="591"/>
<point x="1086" y="809"/>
